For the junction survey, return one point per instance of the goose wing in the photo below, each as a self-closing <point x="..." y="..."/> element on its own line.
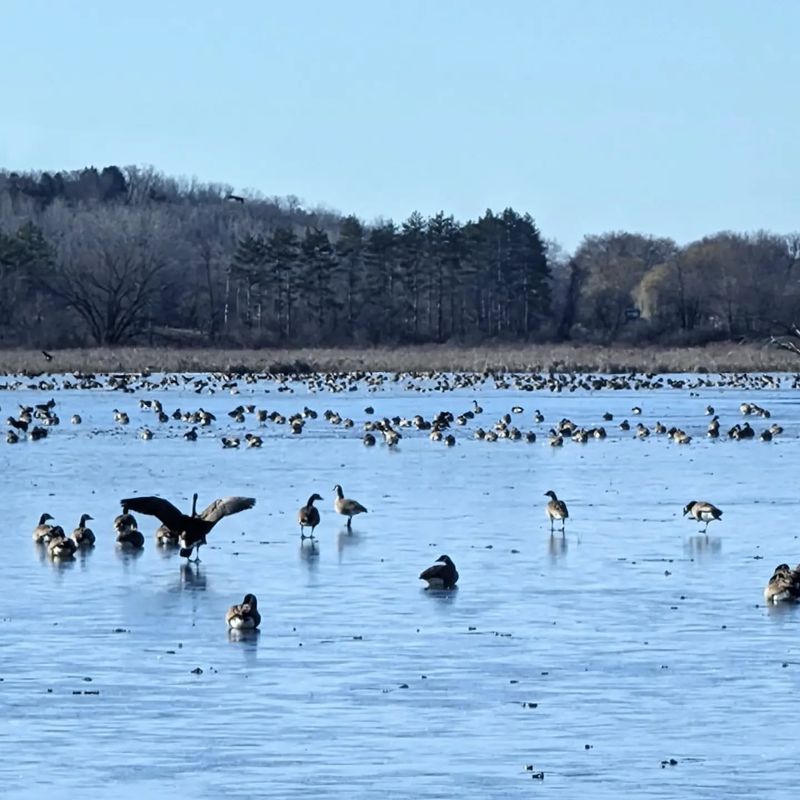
<point x="156" y="507"/>
<point x="226" y="506"/>
<point x="353" y="507"/>
<point x="308" y="515"/>
<point x="437" y="570"/>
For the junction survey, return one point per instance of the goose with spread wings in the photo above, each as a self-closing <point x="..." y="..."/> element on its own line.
<point x="192" y="529"/>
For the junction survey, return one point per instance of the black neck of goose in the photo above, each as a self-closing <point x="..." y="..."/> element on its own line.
<point x="194" y="504"/>
<point x="42" y="519"/>
<point x="311" y="500"/>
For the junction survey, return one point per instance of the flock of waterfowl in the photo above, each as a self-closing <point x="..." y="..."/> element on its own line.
<point x="188" y="531"/>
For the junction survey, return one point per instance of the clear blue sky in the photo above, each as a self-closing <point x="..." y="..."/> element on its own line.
<point x="676" y="119"/>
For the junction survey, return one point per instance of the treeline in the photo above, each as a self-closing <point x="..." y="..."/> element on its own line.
<point x="128" y="255"/>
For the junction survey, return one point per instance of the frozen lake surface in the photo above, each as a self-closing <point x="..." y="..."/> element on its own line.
<point x="593" y="658"/>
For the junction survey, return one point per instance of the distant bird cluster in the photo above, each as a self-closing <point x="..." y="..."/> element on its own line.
<point x="25" y="423"/>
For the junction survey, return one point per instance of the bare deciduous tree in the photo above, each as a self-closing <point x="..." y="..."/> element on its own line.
<point x="110" y="269"/>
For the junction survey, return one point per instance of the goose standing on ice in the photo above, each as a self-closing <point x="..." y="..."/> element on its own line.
<point x="555" y="510"/>
<point x="702" y="512"/>
<point x="308" y="516"/>
<point x="345" y="506"/>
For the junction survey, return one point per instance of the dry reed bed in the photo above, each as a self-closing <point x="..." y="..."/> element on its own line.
<point x="514" y="358"/>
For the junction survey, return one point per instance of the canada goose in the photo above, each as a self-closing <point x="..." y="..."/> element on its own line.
<point x="636" y="410"/>
<point x="555" y="509"/>
<point x="555" y="439"/>
<point x="441" y="575"/>
<point x="191" y="436"/>
<point x="746" y="408"/>
<point x="146" y="434"/>
<point x="308" y="516"/>
<point x="538" y="417"/>
<point x="75" y="419"/>
<point x="608" y="416"/>
<point x="702" y="512"/>
<point x="624" y="425"/>
<point x="391" y="436"/>
<point x="11" y="437"/>
<point x="83" y="536"/>
<point x="709" y="410"/>
<point x="783" y="586"/>
<point x="61" y="548"/>
<point x="193" y="529"/>
<point x="517" y="409"/>
<point x="244" y="616"/>
<point x="41" y="533"/>
<point x="47" y="356"/>
<point x="121" y="417"/>
<point x="165" y="537"/>
<point x="230" y="441"/>
<point x="369" y="439"/>
<point x="253" y="440"/>
<point x="130" y="539"/>
<point x="346" y="507"/>
<point x="125" y="522"/>
<point x="38" y="433"/>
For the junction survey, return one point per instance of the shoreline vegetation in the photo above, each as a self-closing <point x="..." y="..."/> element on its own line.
<point x="716" y="358"/>
<point x="123" y="257"/>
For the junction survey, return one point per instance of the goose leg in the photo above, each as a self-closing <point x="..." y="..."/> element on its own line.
<point x="349" y="522"/>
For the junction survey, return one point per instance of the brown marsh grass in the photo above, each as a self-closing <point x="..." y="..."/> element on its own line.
<point x="720" y="357"/>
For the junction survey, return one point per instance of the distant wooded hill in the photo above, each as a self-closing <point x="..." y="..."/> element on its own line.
<point x="127" y="254"/>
